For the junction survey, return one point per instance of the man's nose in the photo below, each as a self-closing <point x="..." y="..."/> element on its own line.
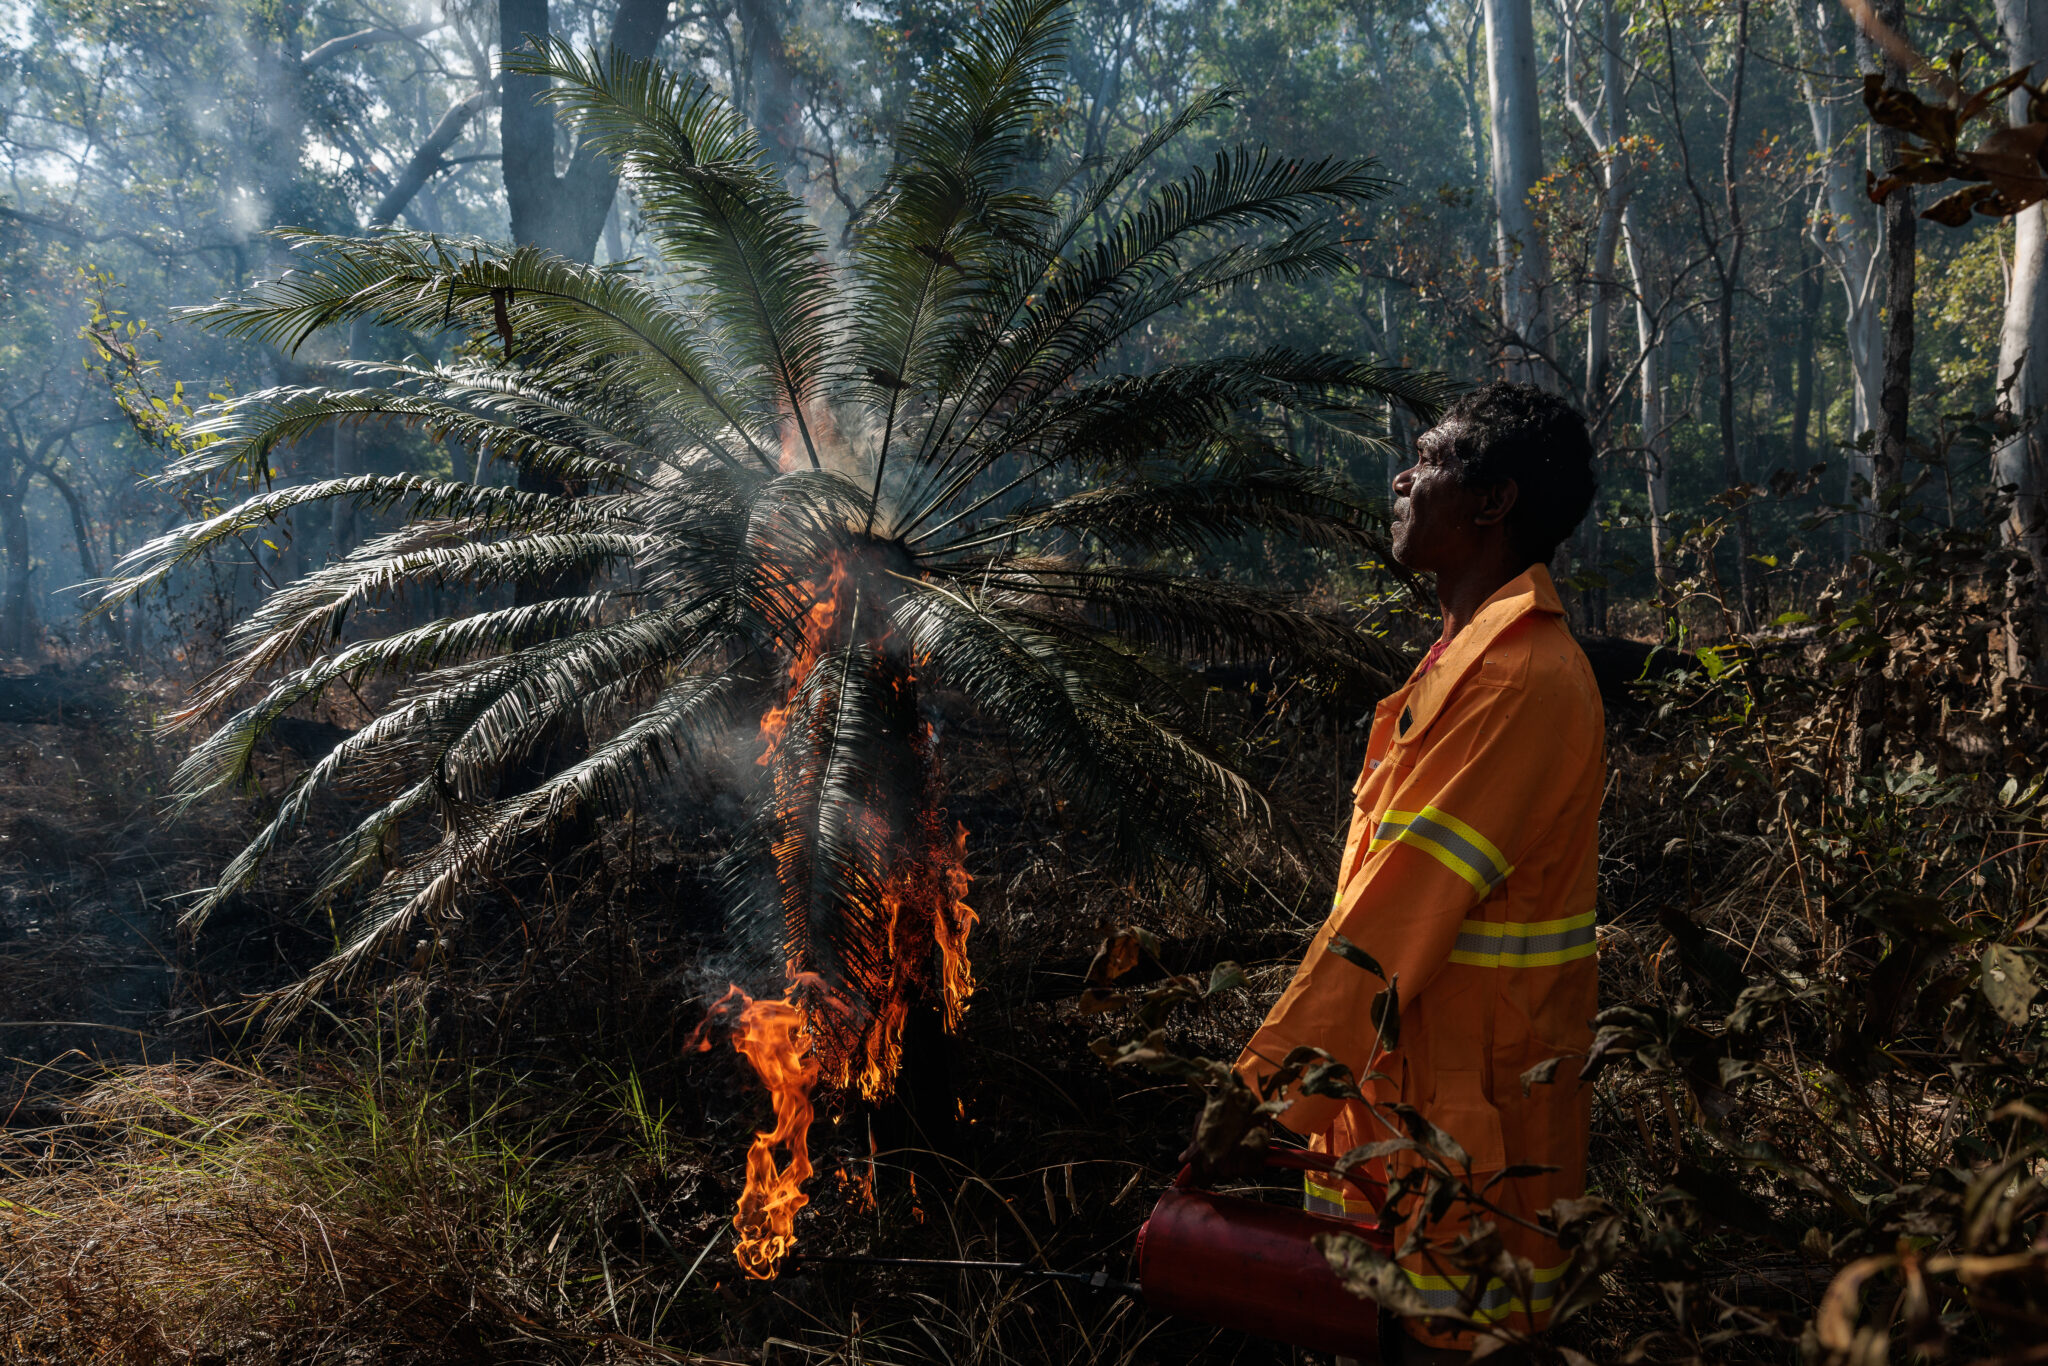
<point x="1404" y="481"/>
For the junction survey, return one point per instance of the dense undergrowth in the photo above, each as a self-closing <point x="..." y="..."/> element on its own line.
<point x="1820" y="1118"/>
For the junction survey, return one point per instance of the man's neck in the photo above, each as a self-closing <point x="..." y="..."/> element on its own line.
<point x="1462" y="593"/>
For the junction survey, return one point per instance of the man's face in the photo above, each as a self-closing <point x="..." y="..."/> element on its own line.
<point x="1438" y="522"/>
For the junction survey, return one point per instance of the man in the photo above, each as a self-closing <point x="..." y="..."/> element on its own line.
<point x="1469" y="874"/>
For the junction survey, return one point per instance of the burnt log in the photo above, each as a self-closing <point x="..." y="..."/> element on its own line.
<point x="1622" y="667"/>
<point x="58" y="699"/>
<point x="311" y="741"/>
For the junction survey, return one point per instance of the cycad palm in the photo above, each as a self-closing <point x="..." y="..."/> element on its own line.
<point x="786" y="495"/>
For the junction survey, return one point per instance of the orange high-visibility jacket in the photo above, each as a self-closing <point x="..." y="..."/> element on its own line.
<point x="1469" y="875"/>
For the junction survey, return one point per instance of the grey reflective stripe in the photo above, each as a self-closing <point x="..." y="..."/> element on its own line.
<point x="1497" y="1296"/>
<point x="1520" y="945"/>
<point x="1498" y="1301"/>
<point x="1473" y="857"/>
<point x="1440" y="1299"/>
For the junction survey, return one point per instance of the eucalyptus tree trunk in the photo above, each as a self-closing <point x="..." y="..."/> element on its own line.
<point x="1730" y="271"/>
<point x="1517" y="165"/>
<point x="1803" y="368"/>
<point x="1606" y="127"/>
<point x="1873" y="687"/>
<point x="277" y="52"/>
<point x="1844" y="226"/>
<point x="771" y="101"/>
<point x="18" y="635"/>
<point x="1650" y="379"/>
<point x="1386" y="330"/>
<point x="563" y="212"/>
<point x="2018" y="461"/>
<point x="1895" y="395"/>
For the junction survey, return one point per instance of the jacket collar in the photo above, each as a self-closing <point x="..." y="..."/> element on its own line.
<point x="1528" y="592"/>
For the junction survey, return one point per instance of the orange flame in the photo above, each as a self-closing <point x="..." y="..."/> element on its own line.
<point x="951" y="925"/>
<point x="774" y="1038"/>
<point x="826" y="599"/>
<point x="911" y="941"/>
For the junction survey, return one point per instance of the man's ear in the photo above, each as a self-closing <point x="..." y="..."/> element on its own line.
<point x="1497" y="502"/>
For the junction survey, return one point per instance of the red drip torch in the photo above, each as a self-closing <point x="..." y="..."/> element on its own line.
<point x="1231" y="1262"/>
<point x="1238" y="1263"/>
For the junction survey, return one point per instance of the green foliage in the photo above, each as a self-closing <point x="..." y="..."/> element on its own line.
<point x="1863" y="1083"/>
<point x="1822" y="1073"/>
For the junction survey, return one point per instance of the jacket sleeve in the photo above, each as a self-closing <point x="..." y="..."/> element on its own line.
<point x="1474" y="808"/>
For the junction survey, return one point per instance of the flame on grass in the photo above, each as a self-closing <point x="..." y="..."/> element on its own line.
<point x="773" y="1038"/>
<point x="911" y="921"/>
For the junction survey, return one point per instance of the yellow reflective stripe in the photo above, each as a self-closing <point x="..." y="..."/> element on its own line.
<point x="1448" y="840"/>
<point x="1498" y="1301"/>
<point x="1393" y="821"/>
<point x="1524" y="960"/>
<point x="1525" y="944"/>
<point x="1542" y="1275"/>
<point x="1336" y="1195"/>
<point x="1530" y="929"/>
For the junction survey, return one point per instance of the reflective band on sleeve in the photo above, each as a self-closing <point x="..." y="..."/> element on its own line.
<point x="1320" y="1197"/>
<point x="1534" y="944"/>
<point x="1448" y="840"/>
<point x="1447" y="1293"/>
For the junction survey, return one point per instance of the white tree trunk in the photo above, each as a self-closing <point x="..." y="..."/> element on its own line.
<point x="1517" y="166"/>
<point x="2023" y="343"/>
<point x="1607" y="128"/>
<point x="1605" y="125"/>
<point x="1844" y="226"/>
<point x="1650" y="381"/>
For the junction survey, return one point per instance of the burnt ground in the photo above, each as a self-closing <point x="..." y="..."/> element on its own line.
<point x="1009" y="1141"/>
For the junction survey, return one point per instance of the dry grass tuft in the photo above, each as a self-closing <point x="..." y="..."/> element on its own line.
<point x="213" y="1213"/>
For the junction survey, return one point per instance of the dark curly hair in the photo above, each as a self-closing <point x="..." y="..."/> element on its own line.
<point x="1503" y="431"/>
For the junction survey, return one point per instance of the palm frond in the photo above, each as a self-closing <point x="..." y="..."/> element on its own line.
<point x="307" y="614"/>
<point x="1170" y="509"/>
<point x="1185" y="412"/>
<point x="711" y="197"/>
<point x="555" y="313"/>
<point x="242" y="433"/>
<point x="1043" y="366"/>
<point x="1090" y="301"/>
<point x="1183" y="615"/>
<point x="481" y="507"/>
<point x="1088" y="716"/>
<point x="608" y="779"/>
<point x="952" y="210"/>
<point x="222" y="759"/>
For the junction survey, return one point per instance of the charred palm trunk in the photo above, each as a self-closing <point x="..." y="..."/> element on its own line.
<point x="17" y="607"/>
